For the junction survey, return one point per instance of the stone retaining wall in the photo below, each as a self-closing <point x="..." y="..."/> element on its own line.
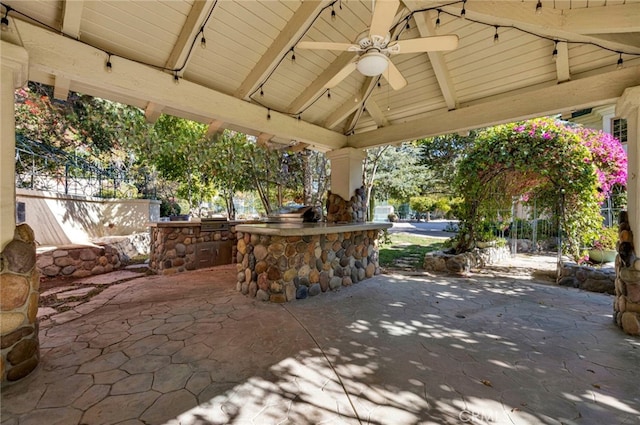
<point x="19" y="286"/>
<point x="626" y="306"/>
<point x="104" y="256"/>
<point x="285" y="268"/>
<point x="463" y="263"/>
<point x="588" y="278"/>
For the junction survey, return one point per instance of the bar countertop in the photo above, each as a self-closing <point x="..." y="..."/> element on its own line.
<point x="303" y="229"/>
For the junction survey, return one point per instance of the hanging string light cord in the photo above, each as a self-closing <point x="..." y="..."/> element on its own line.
<point x="13" y="10"/>
<point x="404" y="21"/>
<point x="260" y="87"/>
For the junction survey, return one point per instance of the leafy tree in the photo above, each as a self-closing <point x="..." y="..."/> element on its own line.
<point x="440" y="156"/>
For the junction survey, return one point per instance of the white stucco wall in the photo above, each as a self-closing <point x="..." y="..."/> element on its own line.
<point x="65" y="219"/>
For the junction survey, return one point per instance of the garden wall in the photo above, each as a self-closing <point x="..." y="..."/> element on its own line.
<point x="463" y="263"/>
<point x="67" y="219"/>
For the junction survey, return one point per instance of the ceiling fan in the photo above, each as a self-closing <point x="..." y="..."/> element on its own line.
<point x="375" y="47"/>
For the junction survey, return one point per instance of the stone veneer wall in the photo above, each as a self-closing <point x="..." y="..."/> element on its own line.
<point x="174" y="249"/>
<point x="284" y="268"/>
<point x="587" y="278"/>
<point x="626" y="306"/>
<point x="19" y="286"/>
<point x="463" y="263"/>
<point x="106" y="255"/>
<point x="352" y="211"/>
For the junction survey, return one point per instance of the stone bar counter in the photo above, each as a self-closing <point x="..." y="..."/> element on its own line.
<point x="280" y="262"/>
<point x="178" y="246"/>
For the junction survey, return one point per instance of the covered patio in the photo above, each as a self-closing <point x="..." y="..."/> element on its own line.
<point x="392" y="349"/>
<point x="396" y="349"/>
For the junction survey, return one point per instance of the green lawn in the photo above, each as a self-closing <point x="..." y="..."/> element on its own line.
<point x="404" y="245"/>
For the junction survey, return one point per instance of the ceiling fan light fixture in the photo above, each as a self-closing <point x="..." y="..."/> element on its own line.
<point x="372" y="64"/>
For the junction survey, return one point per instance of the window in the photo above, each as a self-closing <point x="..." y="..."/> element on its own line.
<point x="619" y="129"/>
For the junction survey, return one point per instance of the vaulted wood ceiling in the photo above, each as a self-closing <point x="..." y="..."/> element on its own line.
<point x="245" y="78"/>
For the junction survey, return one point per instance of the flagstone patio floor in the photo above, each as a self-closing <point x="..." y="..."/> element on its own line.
<point x="395" y="349"/>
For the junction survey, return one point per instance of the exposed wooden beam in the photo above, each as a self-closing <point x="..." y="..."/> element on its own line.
<point x="71" y="17"/>
<point x="622" y="18"/>
<point x="294" y="29"/>
<point x="181" y="52"/>
<point x="319" y="84"/>
<point x="550" y="23"/>
<point x="376" y="113"/>
<point x="562" y="62"/>
<point x="152" y="112"/>
<point x="215" y="126"/>
<point x="61" y="88"/>
<point x="542" y="100"/>
<point x="349" y="106"/>
<point x="51" y="53"/>
<point x="427" y="29"/>
<point x="263" y="140"/>
<point x="365" y="90"/>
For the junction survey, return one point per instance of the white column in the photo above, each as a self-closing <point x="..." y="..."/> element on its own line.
<point x="346" y="171"/>
<point x="14" y="73"/>
<point x="627" y="107"/>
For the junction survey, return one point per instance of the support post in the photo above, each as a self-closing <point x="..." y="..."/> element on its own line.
<point x="346" y="171"/>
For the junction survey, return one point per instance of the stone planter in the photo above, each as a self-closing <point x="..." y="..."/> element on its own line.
<point x="602" y="255"/>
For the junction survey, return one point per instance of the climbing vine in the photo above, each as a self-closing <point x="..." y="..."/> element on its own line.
<point x="568" y="171"/>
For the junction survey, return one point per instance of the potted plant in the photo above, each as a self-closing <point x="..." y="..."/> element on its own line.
<point x="604" y="247"/>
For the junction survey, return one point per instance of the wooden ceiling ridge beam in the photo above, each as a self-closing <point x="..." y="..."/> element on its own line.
<point x="302" y="18"/>
<point x="550" y="23"/>
<point x="54" y="54"/>
<point x="542" y="100"/>
<point x="181" y="52"/>
<point x="426" y="28"/>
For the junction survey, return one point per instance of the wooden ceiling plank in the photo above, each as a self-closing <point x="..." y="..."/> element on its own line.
<point x="295" y="28"/>
<point x="52" y="53"/>
<point x="181" y="52"/>
<point x="550" y="23"/>
<point x="562" y="63"/>
<point x="72" y="16"/>
<point x="594" y="90"/>
<point x="61" y="88"/>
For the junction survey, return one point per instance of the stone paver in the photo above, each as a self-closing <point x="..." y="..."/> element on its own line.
<point x="188" y="349"/>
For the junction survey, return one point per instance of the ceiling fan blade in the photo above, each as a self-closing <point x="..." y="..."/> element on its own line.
<point x="341" y="75"/>
<point x="425" y="44"/>
<point x="394" y="77"/>
<point x="383" y="14"/>
<point x="325" y="45"/>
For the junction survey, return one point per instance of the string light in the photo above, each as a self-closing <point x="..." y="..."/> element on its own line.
<point x="328" y="93"/>
<point x="176" y="78"/>
<point x="496" y="36"/>
<point x="554" y="55"/>
<point x="463" y="12"/>
<point x="293" y="55"/>
<point x="539" y="8"/>
<point x="299" y="117"/>
<point x="333" y="14"/>
<point x="4" y="22"/>
<point x="268" y="113"/>
<point x="620" y="64"/>
<point x="408" y="26"/>
<point x="203" y="41"/>
<point x="108" y="66"/>
<point x="261" y="92"/>
<point x="438" y="19"/>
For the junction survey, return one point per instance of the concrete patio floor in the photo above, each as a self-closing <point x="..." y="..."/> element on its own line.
<point x="394" y="349"/>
